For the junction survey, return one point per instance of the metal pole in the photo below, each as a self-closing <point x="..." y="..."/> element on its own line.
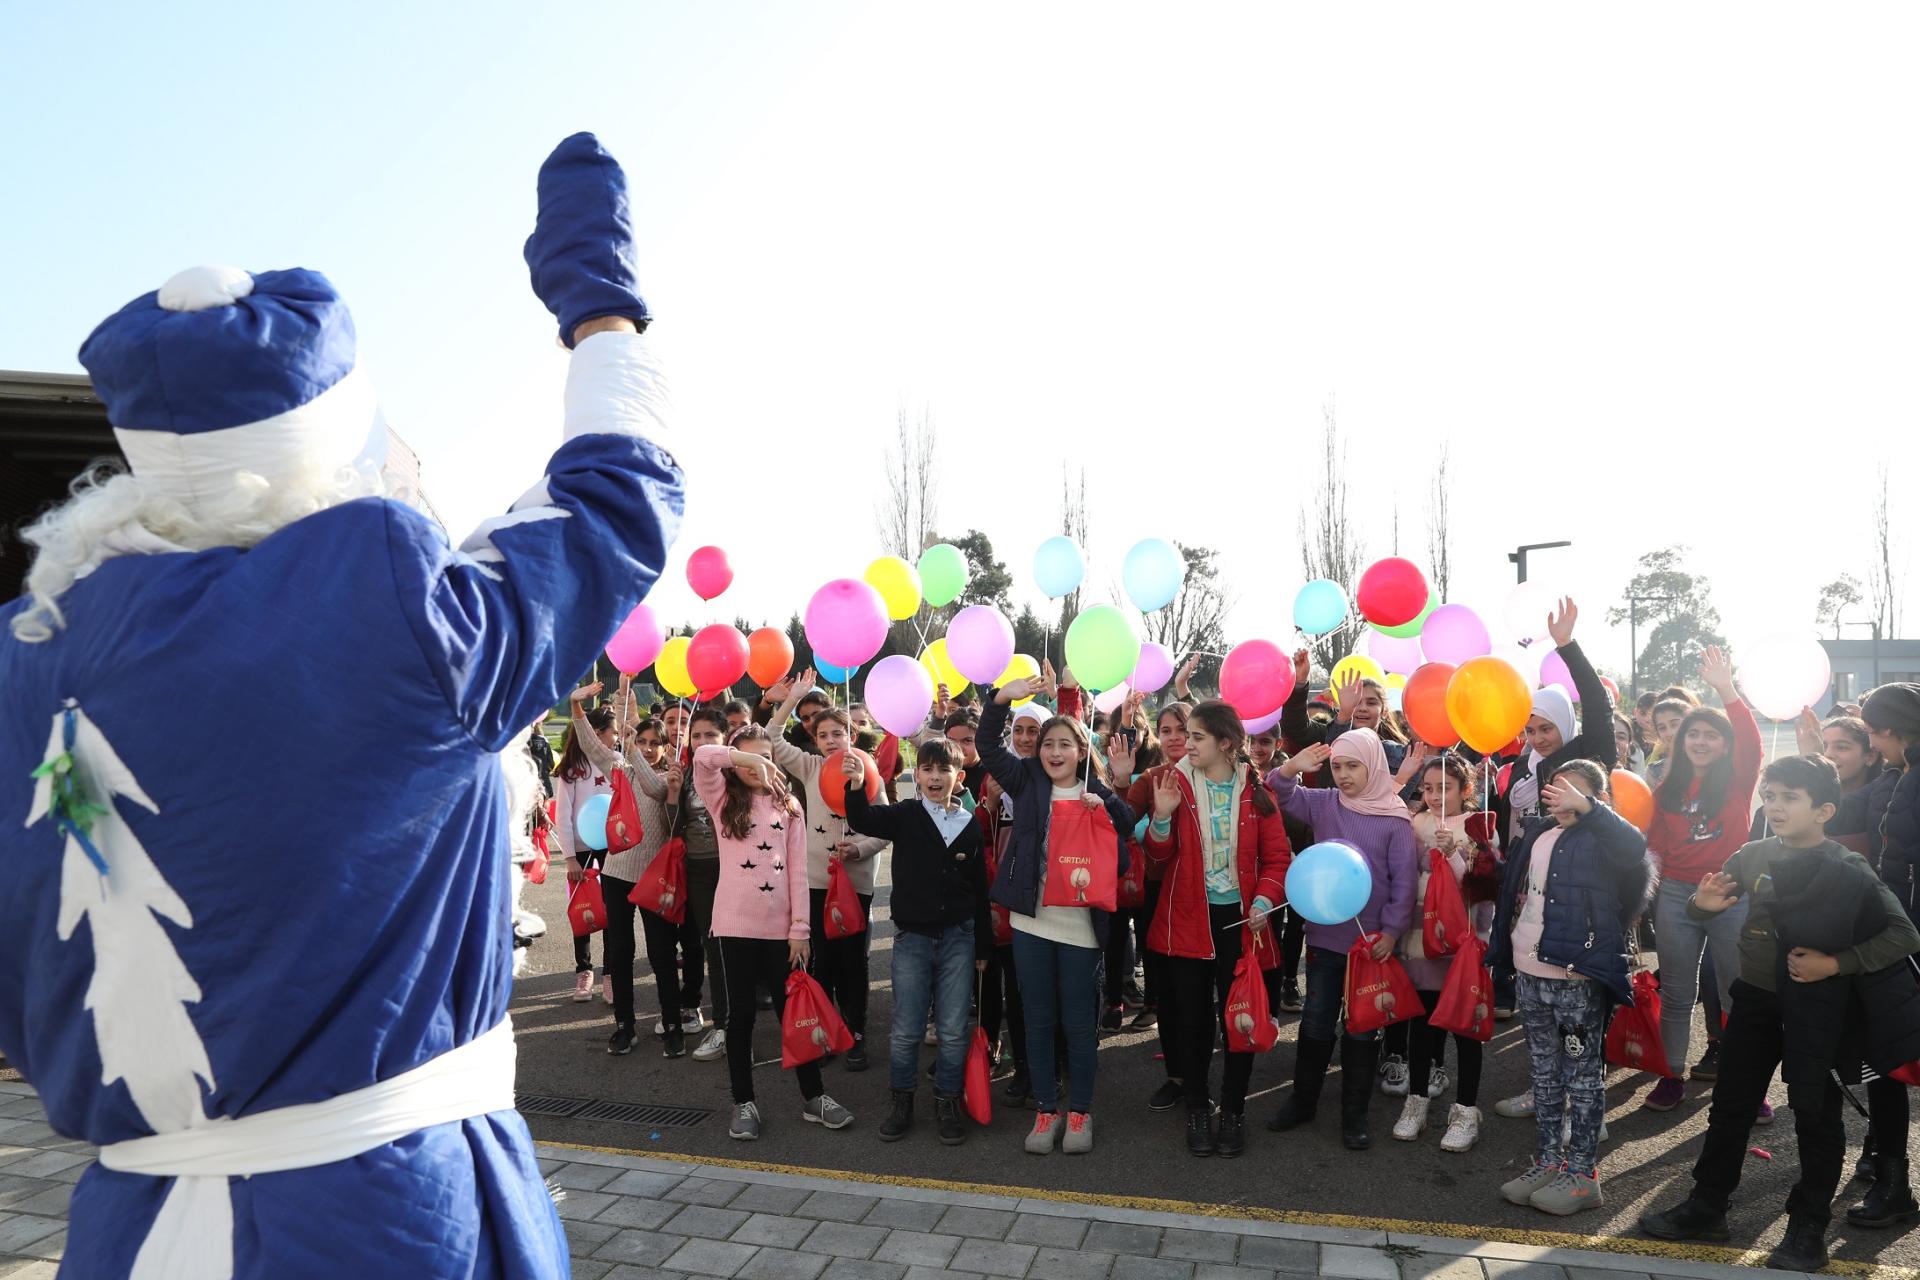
<point x="1633" y="644"/>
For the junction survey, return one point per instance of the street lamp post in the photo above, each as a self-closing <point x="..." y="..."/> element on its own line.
<point x="1870" y="622"/>
<point x="1518" y="556"/>
<point x="1633" y="637"/>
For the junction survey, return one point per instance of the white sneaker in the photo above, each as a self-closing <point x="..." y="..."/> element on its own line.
<point x="1518" y="1107"/>
<point x="714" y="1046"/>
<point x="1463" y="1129"/>
<point x="660" y="1026"/>
<point x="1413" y="1119"/>
<point x="582" y="987"/>
<point x="1393" y="1076"/>
<point x="1437" y="1081"/>
<point x="692" y="1023"/>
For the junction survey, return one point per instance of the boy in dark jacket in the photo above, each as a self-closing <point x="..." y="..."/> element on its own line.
<point x="943" y="937"/>
<point x="1823" y="982"/>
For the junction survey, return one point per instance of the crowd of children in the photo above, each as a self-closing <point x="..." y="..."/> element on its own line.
<point x="1036" y="855"/>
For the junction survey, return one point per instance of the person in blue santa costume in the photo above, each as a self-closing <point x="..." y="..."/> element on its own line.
<point x="266" y="971"/>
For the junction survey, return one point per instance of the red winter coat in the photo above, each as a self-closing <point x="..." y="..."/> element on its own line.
<point x="1181" y="924"/>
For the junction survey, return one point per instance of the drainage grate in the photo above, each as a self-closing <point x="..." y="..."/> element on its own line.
<point x="652" y="1115"/>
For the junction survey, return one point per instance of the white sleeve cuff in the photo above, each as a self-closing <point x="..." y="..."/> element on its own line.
<point x="615" y="386"/>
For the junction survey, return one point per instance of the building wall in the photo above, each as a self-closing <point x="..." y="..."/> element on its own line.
<point x="1858" y="669"/>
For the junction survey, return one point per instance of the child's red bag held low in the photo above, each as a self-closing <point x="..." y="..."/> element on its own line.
<point x="1465" y="1006"/>
<point x="1250" y="1024"/>
<point x="623" y="816"/>
<point x="587" y="907"/>
<point x="1132" y="893"/>
<point x="1082" y="857"/>
<point x="840" y="916"/>
<point x="1443" y="918"/>
<point x="1379" y="992"/>
<point x="1633" y="1041"/>
<point x="811" y="1028"/>
<point x="979" y="1079"/>
<point x="662" y="887"/>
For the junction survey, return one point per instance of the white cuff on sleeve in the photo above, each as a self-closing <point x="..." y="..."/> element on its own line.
<point x="615" y="386"/>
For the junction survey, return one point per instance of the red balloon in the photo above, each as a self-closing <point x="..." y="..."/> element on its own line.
<point x="1424" y="701"/>
<point x="717" y="657"/>
<point x="833" y="783"/>
<point x="1257" y="678"/>
<point x="769" y="656"/>
<point x="1392" y="592"/>
<point x="708" y="572"/>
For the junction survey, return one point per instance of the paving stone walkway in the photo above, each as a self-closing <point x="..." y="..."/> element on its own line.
<point x="630" y="1217"/>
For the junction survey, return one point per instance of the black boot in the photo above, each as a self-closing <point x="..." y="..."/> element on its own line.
<point x="1200" y="1131"/>
<point x="1890" y="1201"/>
<point x="900" y="1119"/>
<point x="946" y="1116"/>
<point x="1691" y="1219"/>
<point x="1803" y="1249"/>
<point x="1233" y="1135"/>
<point x="1310" y="1061"/>
<point x="1358" y="1058"/>
<point x="1863" y="1168"/>
<point x="1019" y="1090"/>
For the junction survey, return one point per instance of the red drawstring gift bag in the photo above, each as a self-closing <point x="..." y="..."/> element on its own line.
<point x="1082" y="853"/>
<point x="1002" y="926"/>
<point x="1250" y="1024"/>
<point x="537" y="869"/>
<point x="1379" y="992"/>
<point x="979" y="1088"/>
<point x="1132" y="893"/>
<point x="1265" y="947"/>
<point x="841" y="916"/>
<point x="623" y="816"/>
<point x="811" y="1028"/>
<point x="662" y="887"/>
<point x="1443" y="920"/>
<point x="1465" y="1006"/>
<point x="586" y="907"/>
<point x="1633" y="1041"/>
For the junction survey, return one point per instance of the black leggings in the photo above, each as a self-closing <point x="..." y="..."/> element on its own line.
<point x="1119" y="957"/>
<point x="703" y="881"/>
<point x="744" y="964"/>
<point x="1196" y="1008"/>
<point x="1426" y="1043"/>
<point x="1154" y="965"/>
<point x="1000" y="994"/>
<point x="839" y="965"/>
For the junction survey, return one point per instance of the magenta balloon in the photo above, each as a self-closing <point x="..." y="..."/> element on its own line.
<point x="1154" y="669"/>
<point x="717" y="658"/>
<point x="638" y="641"/>
<point x="1396" y="654"/>
<point x="708" y="572"/>
<point x="1454" y="633"/>
<point x="1554" y="671"/>
<point x="847" y="622"/>
<point x="1256" y="678"/>
<point x="980" y="643"/>
<point x="1262" y="724"/>
<point x="899" y="694"/>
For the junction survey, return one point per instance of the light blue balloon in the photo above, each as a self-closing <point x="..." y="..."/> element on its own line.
<point x="1320" y="607"/>
<point x="1058" y="566"/>
<point x="1329" y="883"/>
<point x="832" y="674"/>
<point x="1152" y="573"/>
<point x="590" y="823"/>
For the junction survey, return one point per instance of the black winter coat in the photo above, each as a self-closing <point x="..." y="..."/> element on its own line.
<point x="936" y="885"/>
<point x="1900" y="833"/>
<point x="1594" y="742"/>
<point x="1600" y="878"/>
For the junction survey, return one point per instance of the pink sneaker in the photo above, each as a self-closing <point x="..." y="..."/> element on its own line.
<point x="582" y="987"/>
<point x="1666" y="1095"/>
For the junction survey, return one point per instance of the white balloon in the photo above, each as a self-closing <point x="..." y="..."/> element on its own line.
<point x="1782" y="673"/>
<point x="1524" y="659"/>
<point x="1528" y="605"/>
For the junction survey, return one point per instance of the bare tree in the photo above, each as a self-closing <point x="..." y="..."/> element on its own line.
<point x="1196" y="620"/>
<point x="911" y="505"/>
<point x="1881" y="582"/>
<point x="1440" y="529"/>
<point x="1330" y="544"/>
<point x="1073" y="523"/>
<point x="1835" y="599"/>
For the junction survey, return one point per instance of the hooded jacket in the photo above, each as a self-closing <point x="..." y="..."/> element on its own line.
<point x="1182" y="919"/>
<point x="1600" y="878"/>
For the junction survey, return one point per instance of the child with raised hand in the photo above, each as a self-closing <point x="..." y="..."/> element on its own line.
<point x="943" y="936"/>
<point x="1700" y="818"/>
<point x="576" y="781"/>
<point x="1217" y="831"/>
<point x="1056" y="949"/>
<point x="1572" y="884"/>
<point x="1363" y="810"/>
<point x="1552" y="734"/>
<point x="760" y="913"/>
<point x="1823" y="983"/>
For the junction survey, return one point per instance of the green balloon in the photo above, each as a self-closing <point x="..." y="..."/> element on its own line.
<point x="1102" y="647"/>
<point x="1407" y="630"/>
<point x="943" y="573"/>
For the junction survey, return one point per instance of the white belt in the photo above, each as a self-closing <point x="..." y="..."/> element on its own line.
<point x="192" y="1238"/>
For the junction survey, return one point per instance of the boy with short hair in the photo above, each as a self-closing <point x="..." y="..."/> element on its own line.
<point x="1823" y="982"/>
<point x="944" y="936"/>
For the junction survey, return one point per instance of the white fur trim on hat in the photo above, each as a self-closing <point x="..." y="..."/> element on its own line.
<point x="199" y="288"/>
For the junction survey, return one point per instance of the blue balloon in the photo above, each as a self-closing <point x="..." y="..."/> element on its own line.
<point x="1329" y="883"/>
<point x="1320" y="607"/>
<point x="1153" y="572"/>
<point x="832" y="674"/>
<point x="1058" y="566"/>
<point x="590" y="823"/>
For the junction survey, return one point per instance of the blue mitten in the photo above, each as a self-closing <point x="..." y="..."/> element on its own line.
<point x="581" y="251"/>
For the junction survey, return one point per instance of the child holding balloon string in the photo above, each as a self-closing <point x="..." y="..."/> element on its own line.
<point x="575" y="782"/>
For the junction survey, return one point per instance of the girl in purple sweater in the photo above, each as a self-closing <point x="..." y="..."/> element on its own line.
<point x="1363" y="810"/>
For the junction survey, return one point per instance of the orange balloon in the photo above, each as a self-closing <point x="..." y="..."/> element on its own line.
<point x="833" y="784"/>
<point x="1424" y="701"/>
<point x="1632" y="799"/>
<point x="1488" y="703"/>
<point x="769" y="656"/>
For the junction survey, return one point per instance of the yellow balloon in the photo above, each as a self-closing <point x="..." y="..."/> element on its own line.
<point x="1488" y="703"/>
<point x="898" y="584"/>
<point x="1354" y="664"/>
<point x="1396" y="681"/>
<point x="671" y="668"/>
<point x="1021" y="668"/>
<point x="940" y="667"/>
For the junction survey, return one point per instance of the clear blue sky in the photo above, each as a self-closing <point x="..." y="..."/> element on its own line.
<point x="1652" y="276"/>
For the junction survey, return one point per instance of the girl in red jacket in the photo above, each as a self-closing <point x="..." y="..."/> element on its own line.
<point x="1217" y="831"/>
<point x="1170" y="741"/>
<point x="1699" y="819"/>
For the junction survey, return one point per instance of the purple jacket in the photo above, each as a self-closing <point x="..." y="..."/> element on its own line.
<point x="1387" y="845"/>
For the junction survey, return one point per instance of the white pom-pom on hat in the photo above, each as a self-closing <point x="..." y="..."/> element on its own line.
<point x="198" y="288"/>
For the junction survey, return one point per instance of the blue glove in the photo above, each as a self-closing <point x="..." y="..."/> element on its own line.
<point x="581" y="251"/>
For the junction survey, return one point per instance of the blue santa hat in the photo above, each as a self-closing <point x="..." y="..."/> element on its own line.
<point x="220" y="371"/>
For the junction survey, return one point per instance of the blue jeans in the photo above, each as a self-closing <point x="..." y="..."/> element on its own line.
<point x="1566" y="1024"/>
<point x="1326" y="990"/>
<point x="936" y="972"/>
<point x="1059" y="987"/>
<point x="1681" y="940"/>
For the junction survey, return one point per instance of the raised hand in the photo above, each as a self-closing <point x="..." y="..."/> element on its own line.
<point x="1302" y="668"/>
<point x="1561" y="796"/>
<point x="1120" y="760"/>
<point x="1806" y="733"/>
<point x="942" y="700"/>
<point x="1013" y="691"/>
<point x="1067" y="680"/>
<point x="1182" y="677"/>
<point x="1307" y="760"/>
<point x="1560" y="622"/>
<point x="585" y="693"/>
<point x="1716" y="892"/>
<point x="1166" y="794"/>
<point x="1716" y="668"/>
<point x="1047" y="687"/>
<point x="581" y="253"/>
<point x="1346" y="693"/>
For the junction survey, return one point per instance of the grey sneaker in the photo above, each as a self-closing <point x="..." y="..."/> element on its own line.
<point x="825" y="1111"/>
<point x="1046" y="1126"/>
<point x="1079" y="1139"/>
<point x="746" y="1123"/>
<point x="714" y="1046"/>
<point x="1569" y="1193"/>
<point x="1393" y="1076"/>
<point x="1518" y="1107"/>
<point x="1520" y="1190"/>
<point x="692" y="1022"/>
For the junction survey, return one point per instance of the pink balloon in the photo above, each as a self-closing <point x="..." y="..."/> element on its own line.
<point x="638" y="641"/>
<point x="717" y="657"/>
<point x="708" y="572"/>
<point x="1107" y="699"/>
<point x="979" y="643"/>
<point x="1399" y="655"/>
<point x="846" y="622"/>
<point x="1154" y="668"/>
<point x="1454" y="633"/>
<point x="1554" y="671"/>
<point x="1256" y="678"/>
<point x="899" y="694"/>
<point x="1263" y="723"/>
